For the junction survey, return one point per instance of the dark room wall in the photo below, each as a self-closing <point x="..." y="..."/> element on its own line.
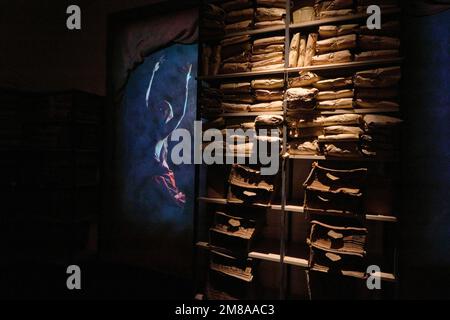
<point x="425" y="259"/>
<point x="38" y="52"/>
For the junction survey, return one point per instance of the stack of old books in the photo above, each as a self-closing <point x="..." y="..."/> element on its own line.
<point x="334" y="204"/>
<point x="231" y="270"/>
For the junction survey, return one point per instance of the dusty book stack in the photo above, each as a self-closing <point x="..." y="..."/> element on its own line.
<point x="334" y="203"/>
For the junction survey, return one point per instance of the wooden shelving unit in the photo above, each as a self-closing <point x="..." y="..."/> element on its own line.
<point x="287" y="210"/>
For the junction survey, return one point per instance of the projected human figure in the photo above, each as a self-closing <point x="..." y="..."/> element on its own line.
<point x="166" y="121"/>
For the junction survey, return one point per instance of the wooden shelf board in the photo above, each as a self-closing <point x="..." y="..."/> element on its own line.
<point x="251" y="32"/>
<point x="336" y="66"/>
<point x="293" y="113"/>
<point x="324" y="158"/>
<point x="384" y="276"/>
<point x="289" y="260"/>
<point x="243" y="74"/>
<point x="334" y="20"/>
<point x="346" y="65"/>
<point x="300" y="209"/>
<point x="345" y="111"/>
<point x="248" y="114"/>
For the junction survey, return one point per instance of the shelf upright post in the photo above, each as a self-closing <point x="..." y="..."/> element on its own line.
<point x="283" y="159"/>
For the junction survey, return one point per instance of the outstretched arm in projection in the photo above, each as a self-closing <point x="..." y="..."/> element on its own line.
<point x="175" y="121"/>
<point x="156" y="68"/>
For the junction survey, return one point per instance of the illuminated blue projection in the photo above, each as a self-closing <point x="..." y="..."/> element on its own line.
<point x="160" y="96"/>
